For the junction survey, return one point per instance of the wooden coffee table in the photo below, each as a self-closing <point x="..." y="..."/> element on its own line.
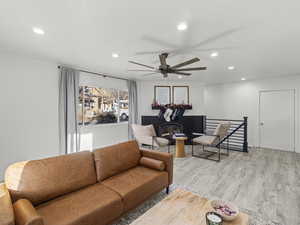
<point x="183" y="208"/>
<point x="180" y="152"/>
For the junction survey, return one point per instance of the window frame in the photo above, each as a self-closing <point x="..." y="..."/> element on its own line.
<point x="100" y="124"/>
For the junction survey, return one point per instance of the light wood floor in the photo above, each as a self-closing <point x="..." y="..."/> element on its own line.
<point x="264" y="181"/>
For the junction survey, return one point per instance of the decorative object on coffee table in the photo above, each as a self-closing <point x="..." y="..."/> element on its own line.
<point x="227" y="210"/>
<point x="180" y="152"/>
<point x="183" y="207"/>
<point x="213" y="218"/>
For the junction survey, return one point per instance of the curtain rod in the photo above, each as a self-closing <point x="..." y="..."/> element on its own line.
<point x="98" y="74"/>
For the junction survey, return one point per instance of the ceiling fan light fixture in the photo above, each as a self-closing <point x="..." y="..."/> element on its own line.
<point x="115" y="55"/>
<point x="38" y="30"/>
<point x="182" y="26"/>
<point x="214" y="54"/>
<point x="230" y="67"/>
<point x="179" y="69"/>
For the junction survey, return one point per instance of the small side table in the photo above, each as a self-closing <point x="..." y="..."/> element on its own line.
<point x="180" y="152"/>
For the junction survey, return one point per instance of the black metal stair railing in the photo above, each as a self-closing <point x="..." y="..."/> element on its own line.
<point x="237" y="138"/>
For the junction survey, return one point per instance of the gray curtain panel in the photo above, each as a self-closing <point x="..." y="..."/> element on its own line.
<point x="69" y="134"/>
<point x="133" y="106"/>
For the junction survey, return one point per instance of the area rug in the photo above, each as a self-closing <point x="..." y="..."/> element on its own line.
<point x="255" y="218"/>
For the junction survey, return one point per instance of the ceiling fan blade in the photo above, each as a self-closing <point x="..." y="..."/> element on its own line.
<point x="186" y="63"/>
<point x="162" y="58"/>
<point x="149" y="52"/>
<point x="192" y="69"/>
<point x="212" y="49"/>
<point x="148" y="74"/>
<point x="159" y="42"/>
<point x="140" y="64"/>
<point x="141" y="70"/>
<point x="181" y="73"/>
<point x="195" y="50"/>
<point x="216" y="37"/>
<point x="188" y="48"/>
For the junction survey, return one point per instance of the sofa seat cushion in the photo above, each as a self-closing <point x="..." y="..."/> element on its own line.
<point x="93" y="205"/>
<point x="137" y="184"/>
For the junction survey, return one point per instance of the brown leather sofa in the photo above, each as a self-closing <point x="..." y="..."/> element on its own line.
<point x="86" y="188"/>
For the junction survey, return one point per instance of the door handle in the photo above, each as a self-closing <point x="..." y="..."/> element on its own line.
<point x="261" y="123"/>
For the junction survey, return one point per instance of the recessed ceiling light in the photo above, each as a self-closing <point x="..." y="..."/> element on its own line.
<point x="182" y="26"/>
<point x="231" y="67"/>
<point x="115" y="55"/>
<point x="243" y="78"/>
<point x="179" y="77"/>
<point x="214" y="54"/>
<point x="38" y="30"/>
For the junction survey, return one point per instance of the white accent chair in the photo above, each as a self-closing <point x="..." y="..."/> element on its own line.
<point x="146" y="135"/>
<point x="212" y="140"/>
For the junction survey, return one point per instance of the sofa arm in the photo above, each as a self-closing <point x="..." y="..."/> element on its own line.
<point x="162" y="156"/>
<point x="6" y="207"/>
<point x="26" y="214"/>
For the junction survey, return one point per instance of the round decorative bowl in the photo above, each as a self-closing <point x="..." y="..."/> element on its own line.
<point x="227" y="210"/>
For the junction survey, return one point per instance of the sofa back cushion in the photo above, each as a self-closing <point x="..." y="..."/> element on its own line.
<point x="116" y="159"/>
<point x="42" y="180"/>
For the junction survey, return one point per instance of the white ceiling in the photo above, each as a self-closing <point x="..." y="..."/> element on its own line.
<point x="261" y="36"/>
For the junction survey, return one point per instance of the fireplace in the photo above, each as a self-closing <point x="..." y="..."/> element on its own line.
<point x="190" y="124"/>
<point x="167" y="130"/>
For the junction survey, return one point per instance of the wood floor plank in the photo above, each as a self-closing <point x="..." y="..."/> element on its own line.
<point x="264" y="181"/>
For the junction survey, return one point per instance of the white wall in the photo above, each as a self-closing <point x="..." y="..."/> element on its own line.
<point x="229" y="101"/>
<point x="28" y="109"/>
<point x="29" y="112"/>
<point x="97" y="136"/>
<point x="235" y="100"/>
<point x="146" y="96"/>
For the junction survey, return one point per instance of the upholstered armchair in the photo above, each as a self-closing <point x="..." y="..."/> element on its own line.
<point x="212" y="140"/>
<point x="146" y="135"/>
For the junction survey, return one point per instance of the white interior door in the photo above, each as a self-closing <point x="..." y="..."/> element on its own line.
<point x="277" y="119"/>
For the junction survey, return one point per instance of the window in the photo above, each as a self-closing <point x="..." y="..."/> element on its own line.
<point x="123" y="105"/>
<point x="102" y="105"/>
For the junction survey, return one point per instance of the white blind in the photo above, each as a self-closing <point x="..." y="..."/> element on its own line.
<point x="92" y="80"/>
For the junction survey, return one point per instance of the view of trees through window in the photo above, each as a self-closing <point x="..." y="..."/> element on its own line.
<point x="102" y="105"/>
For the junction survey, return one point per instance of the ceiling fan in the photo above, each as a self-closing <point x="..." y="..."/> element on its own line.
<point x="186" y="46"/>
<point x="166" y="69"/>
